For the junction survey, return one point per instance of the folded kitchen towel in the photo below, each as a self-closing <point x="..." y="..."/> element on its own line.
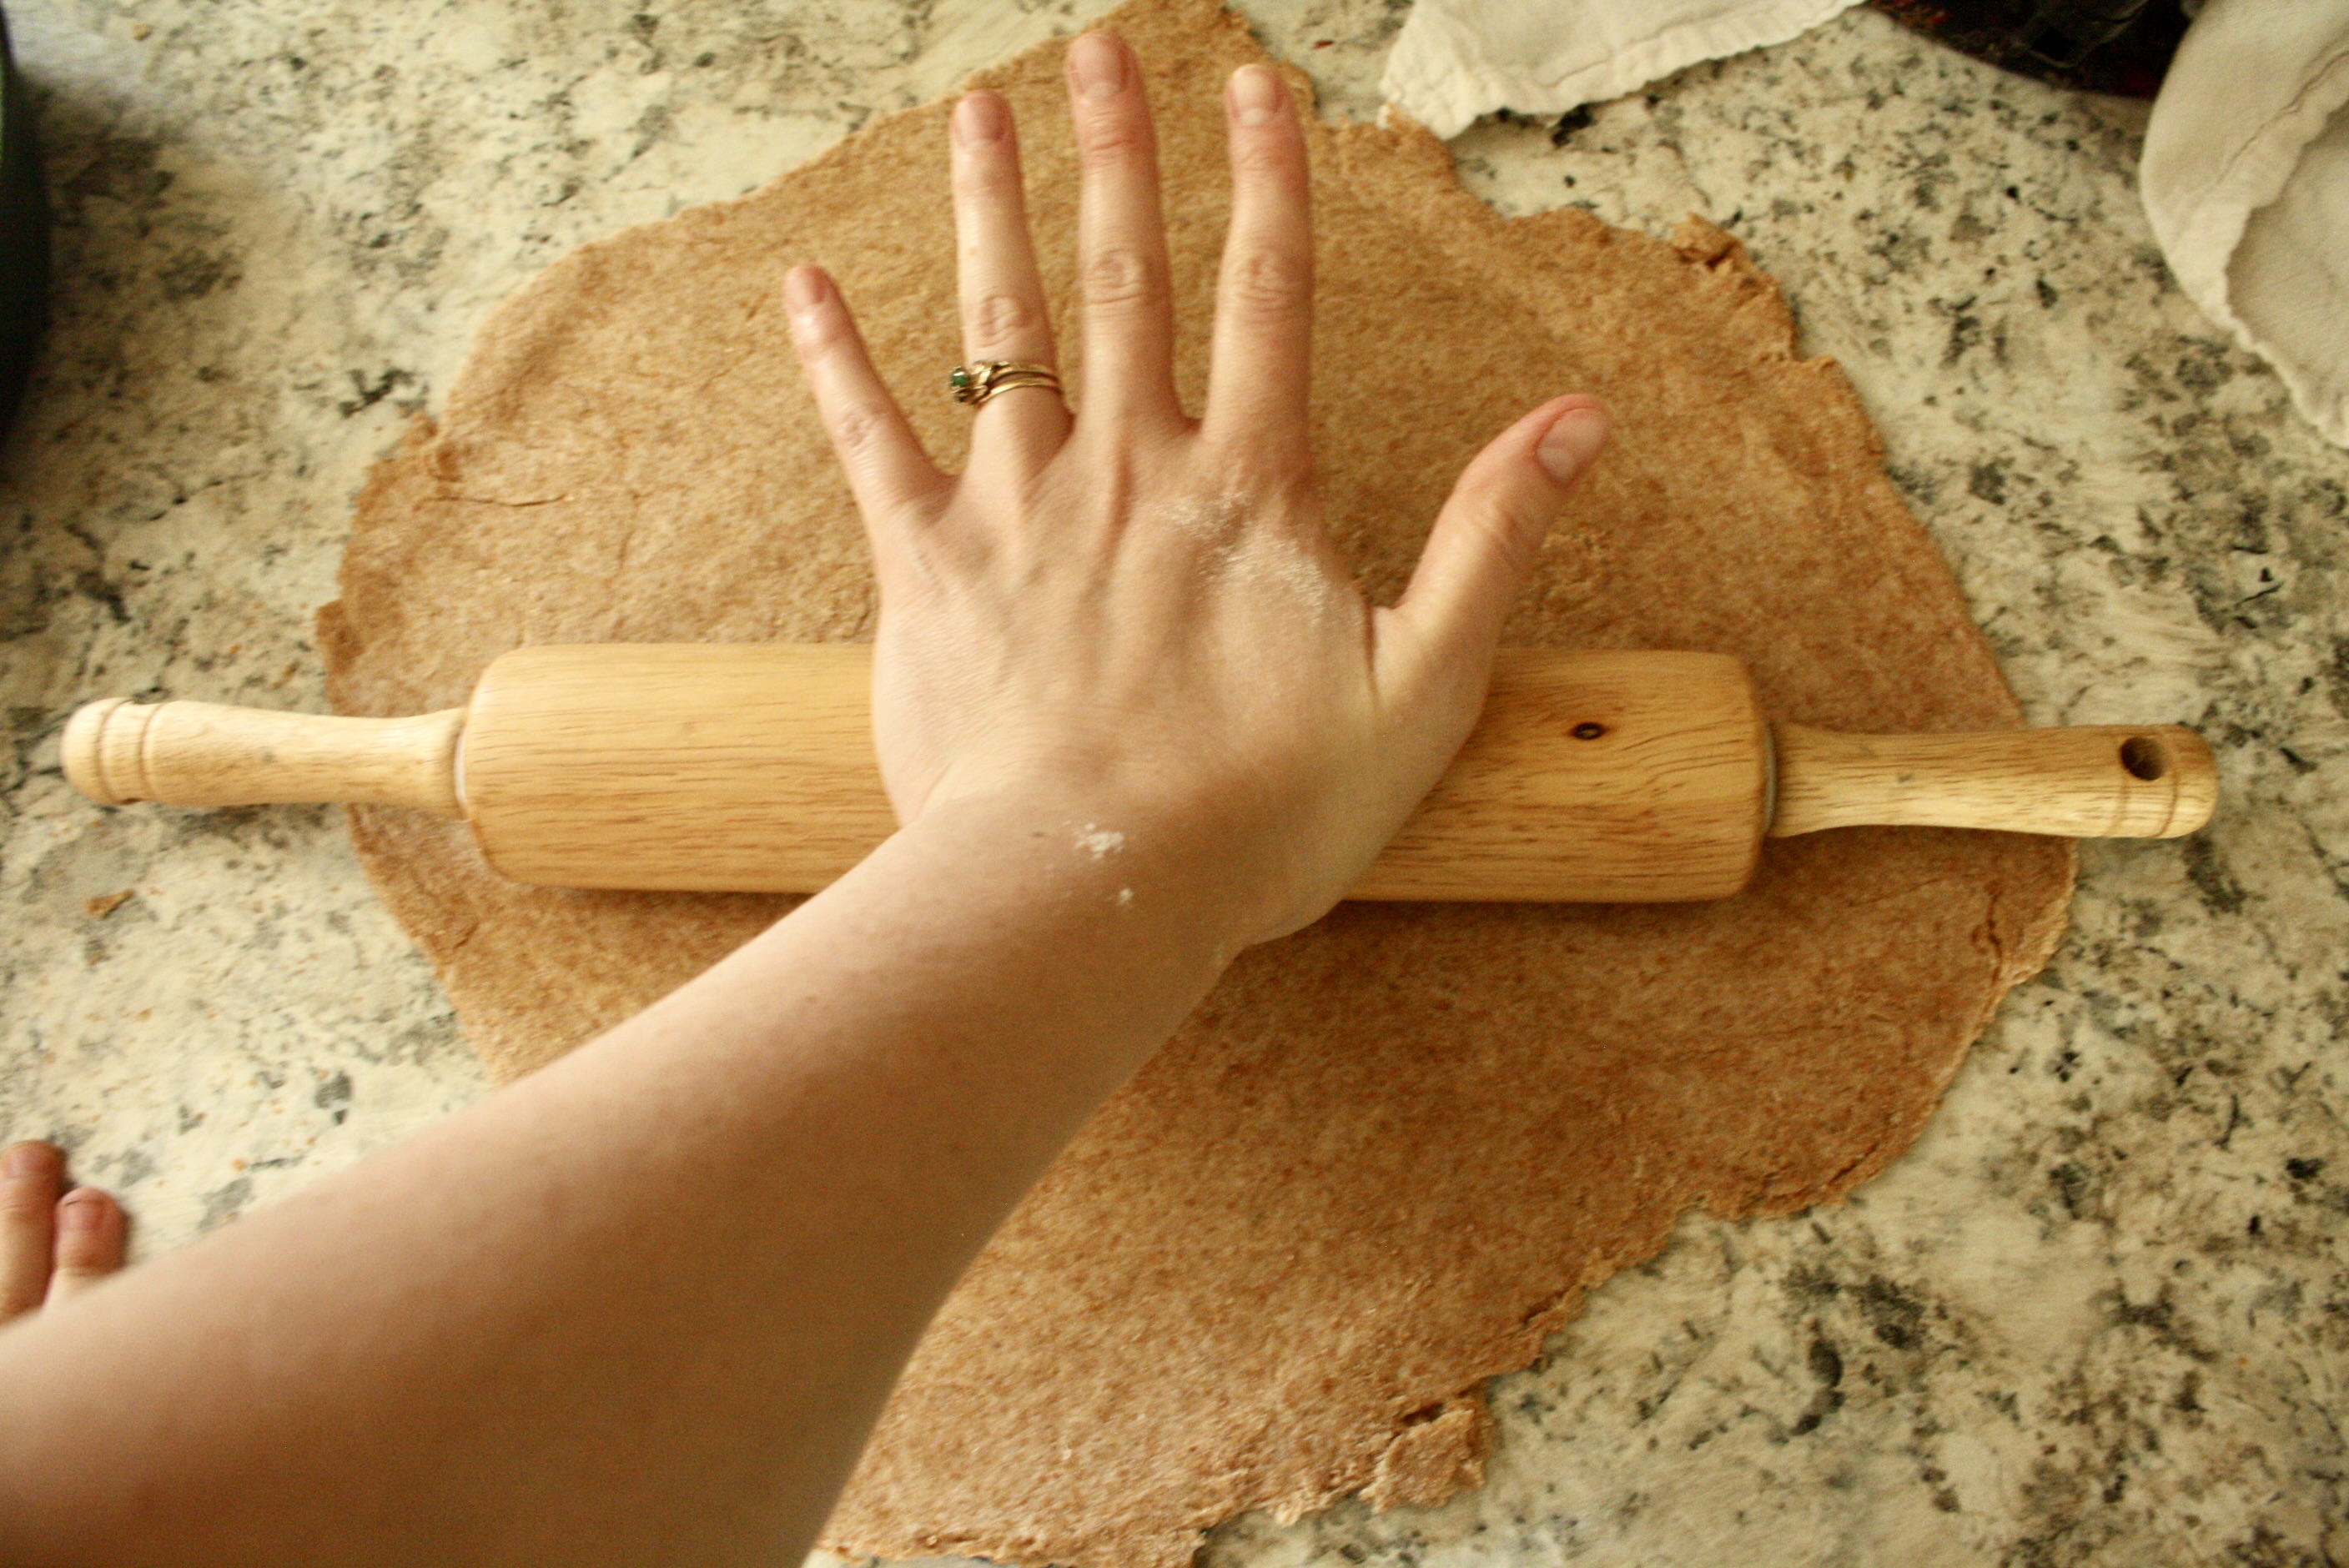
<point x="2246" y="179"/>
<point x="1456" y="59"/>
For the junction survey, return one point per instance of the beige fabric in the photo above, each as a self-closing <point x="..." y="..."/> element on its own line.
<point x="1389" y="1154"/>
<point x="2246" y="182"/>
<point x="1457" y="59"/>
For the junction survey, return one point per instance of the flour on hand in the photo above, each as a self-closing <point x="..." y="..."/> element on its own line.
<point x="1099" y="842"/>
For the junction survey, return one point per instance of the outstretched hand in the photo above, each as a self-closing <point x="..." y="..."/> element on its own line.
<point x="1132" y="622"/>
<point x="645" y="1303"/>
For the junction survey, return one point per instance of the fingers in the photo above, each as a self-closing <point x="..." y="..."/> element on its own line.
<point x="50" y="1248"/>
<point x="1003" y="310"/>
<point x="1121" y="241"/>
<point x="30" y="1176"/>
<point x="1263" y="294"/>
<point x="890" y="475"/>
<point x="90" y="1229"/>
<point x="1489" y="534"/>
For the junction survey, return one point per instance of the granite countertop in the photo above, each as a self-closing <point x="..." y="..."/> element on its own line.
<point x="2100" y="1315"/>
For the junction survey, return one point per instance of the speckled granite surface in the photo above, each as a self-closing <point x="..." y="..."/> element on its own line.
<point x="2100" y="1315"/>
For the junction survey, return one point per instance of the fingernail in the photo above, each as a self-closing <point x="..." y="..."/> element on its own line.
<point x="1569" y="445"/>
<point x="26" y="1160"/>
<point x="1256" y="95"/>
<point x="978" y="119"/>
<point x="83" y="1208"/>
<point x="1099" y="64"/>
<point x="804" y="288"/>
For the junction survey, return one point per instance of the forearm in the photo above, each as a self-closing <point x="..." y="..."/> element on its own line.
<point x="545" y="1293"/>
<point x="644" y="1306"/>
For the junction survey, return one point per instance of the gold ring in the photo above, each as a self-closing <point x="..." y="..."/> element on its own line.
<point x="975" y="383"/>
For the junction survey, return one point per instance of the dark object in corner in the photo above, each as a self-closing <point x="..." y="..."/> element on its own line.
<point x="2119" y="47"/>
<point x="1570" y="122"/>
<point x="23" y="236"/>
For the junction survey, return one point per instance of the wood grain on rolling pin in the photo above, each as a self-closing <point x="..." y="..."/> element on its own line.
<point x="2149" y="782"/>
<point x="735" y="767"/>
<point x="1625" y="778"/>
<point x="708" y="768"/>
<point x="207" y="754"/>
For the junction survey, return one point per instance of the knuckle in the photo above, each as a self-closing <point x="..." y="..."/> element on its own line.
<point x="1268" y="283"/>
<point x="857" y="429"/>
<point x="1514" y="541"/>
<point x="1268" y="159"/>
<point x="1122" y="278"/>
<point x="945" y="555"/>
<point x="1112" y="138"/>
<point x="998" y="316"/>
<point x="914" y="517"/>
<point x="1264" y="463"/>
<point x="1288" y="471"/>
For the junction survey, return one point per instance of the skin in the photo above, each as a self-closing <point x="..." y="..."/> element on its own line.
<point x="54" y="1243"/>
<point x="645" y="1306"/>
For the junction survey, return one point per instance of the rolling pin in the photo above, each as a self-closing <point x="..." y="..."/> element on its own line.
<point x="1591" y="778"/>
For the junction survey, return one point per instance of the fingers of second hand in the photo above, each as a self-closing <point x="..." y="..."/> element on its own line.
<point x="28" y="1196"/>
<point x="1003" y="311"/>
<point x="1120" y="238"/>
<point x="887" y="471"/>
<point x="1261" y="374"/>
<point x="89" y="1243"/>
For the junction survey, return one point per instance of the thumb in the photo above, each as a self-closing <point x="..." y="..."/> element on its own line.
<point x="1489" y="534"/>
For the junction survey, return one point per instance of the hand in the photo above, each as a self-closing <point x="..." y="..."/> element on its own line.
<point x="1130" y="625"/>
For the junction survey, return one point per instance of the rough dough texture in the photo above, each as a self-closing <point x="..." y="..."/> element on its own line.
<point x="1389" y="1154"/>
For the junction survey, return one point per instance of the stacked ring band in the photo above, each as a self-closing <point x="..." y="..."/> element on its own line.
<point x="975" y="383"/>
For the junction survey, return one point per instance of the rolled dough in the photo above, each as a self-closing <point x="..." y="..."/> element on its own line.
<point x="1389" y="1154"/>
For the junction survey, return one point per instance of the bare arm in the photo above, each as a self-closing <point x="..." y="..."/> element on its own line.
<point x="646" y="1305"/>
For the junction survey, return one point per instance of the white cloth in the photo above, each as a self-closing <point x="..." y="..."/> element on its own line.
<point x="2246" y="178"/>
<point x="2246" y="167"/>
<point x="1456" y="59"/>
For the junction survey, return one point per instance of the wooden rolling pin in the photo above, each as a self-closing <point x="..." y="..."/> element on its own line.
<point x="1592" y="776"/>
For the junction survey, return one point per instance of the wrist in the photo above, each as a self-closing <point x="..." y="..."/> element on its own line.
<point x="1090" y="866"/>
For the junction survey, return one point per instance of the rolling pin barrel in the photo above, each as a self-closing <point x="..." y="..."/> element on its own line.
<point x="1595" y="777"/>
<point x="205" y="753"/>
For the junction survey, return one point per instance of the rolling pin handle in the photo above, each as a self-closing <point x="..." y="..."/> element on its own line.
<point x="2111" y="781"/>
<point x="86" y="745"/>
<point x="203" y="754"/>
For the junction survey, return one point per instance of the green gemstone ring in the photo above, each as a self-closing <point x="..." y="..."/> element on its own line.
<point x="975" y="383"/>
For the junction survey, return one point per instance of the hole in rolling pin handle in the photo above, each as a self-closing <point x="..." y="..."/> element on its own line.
<point x="1588" y="730"/>
<point x="2144" y="756"/>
